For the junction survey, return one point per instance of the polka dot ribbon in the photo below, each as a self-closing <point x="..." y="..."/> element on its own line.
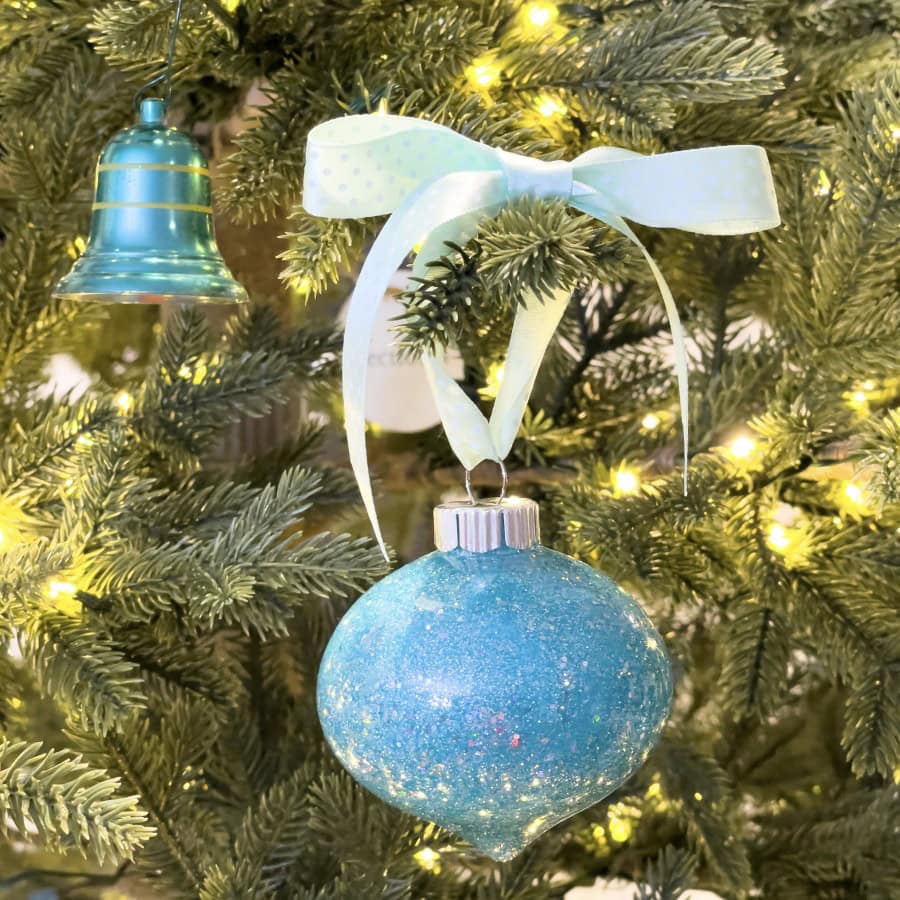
<point x="438" y="185"/>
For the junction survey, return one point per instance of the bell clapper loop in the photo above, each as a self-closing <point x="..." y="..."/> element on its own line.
<point x="166" y="74"/>
<point x="504" y="482"/>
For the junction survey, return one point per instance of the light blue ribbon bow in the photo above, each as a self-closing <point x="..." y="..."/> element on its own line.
<point x="438" y="185"/>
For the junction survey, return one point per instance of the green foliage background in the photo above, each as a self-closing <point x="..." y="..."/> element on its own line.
<point x="158" y="716"/>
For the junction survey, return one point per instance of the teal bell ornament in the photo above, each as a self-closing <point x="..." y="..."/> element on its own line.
<point x="151" y="236"/>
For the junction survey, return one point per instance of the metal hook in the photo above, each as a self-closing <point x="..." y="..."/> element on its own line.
<point x="166" y="74"/>
<point x="504" y="481"/>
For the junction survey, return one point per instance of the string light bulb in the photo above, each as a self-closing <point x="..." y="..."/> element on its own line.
<point x="428" y="859"/>
<point x="62" y="595"/>
<point x="123" y="402"/>
<point x="620" y="829"/>
<point x="493" y="380"/>
<point x="742" y="447"/>
<point x="302" y="285"/>
<point x="549" y="107"/>
<point x="858" y="400"/>
<point x="650" y="422"/>
<point x="625" y="481"/>
<point x="540" y="15"/>
<point x="852" y="499"/>
<point x="483" y="73"/>
<point x="598" y="833"/>
<point x="778" y="538"/>
<point x="861" y="394"/>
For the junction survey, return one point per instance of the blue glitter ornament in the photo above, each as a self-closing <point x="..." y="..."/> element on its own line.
<point x="495" y="687"/>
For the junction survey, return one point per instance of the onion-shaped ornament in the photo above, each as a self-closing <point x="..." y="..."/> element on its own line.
<point x="494" y="687"/>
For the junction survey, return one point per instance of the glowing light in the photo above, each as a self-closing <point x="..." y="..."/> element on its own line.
<point x="123" y="402"/>
<point x="698" y="796"/>
<point x="650" y="422"/>
<point x="195" y="375"/>
<point x="85" y="440"/>
<point x="626" y="481"/>
<point x="620" y="829"/>
<point x="539" y="15"/>
<point x="493" y="380"/>
<point x="428" y="859"/>
<point x="483" y="73"/>
<point x="742" y="447"/>
<point x="895" y="132"/>
<point x="868" y="385"/>
<point x="858" y="399"/>
<point x="654" y="795"/>
<point x="778" y="538"/>
<point x="62" y="594"/>
<point x="303" y="285"/>
<point x="854" y="493"/>
<point x="549" y="107"/>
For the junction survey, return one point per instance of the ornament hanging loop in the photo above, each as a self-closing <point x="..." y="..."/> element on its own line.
<point x="166" y="74"/>
<point x="504" y="483"/>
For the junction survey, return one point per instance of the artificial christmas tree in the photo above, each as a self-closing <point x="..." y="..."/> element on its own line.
<point x="164" y="609"/>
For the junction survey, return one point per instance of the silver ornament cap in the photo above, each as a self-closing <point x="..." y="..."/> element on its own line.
<point x="487" y="524"/>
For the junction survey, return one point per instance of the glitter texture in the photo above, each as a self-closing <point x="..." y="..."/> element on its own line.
<point x="494" y="693"/>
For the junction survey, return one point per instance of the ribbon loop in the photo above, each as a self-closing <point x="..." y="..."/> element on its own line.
<point x="432" y="179"/>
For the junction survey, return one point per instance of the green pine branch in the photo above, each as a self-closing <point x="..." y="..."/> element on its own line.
<point x="82" y="670"/>
<point x="66" y="804"/>
<point x="756" y="648"/>
<point x="272" y="840"/>
<point x="706" y="805"/>
<point x="641" y="67"/>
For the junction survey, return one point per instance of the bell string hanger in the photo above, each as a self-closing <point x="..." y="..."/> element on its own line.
<point x="152" y="237"/>
<point x="166" y="75"/>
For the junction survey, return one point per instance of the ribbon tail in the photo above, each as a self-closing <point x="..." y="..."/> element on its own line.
<point x="533" y="329"/>
<point x="438" y="202"/>
<point x="675" y="326"/>
<point x="465" y="426"/>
